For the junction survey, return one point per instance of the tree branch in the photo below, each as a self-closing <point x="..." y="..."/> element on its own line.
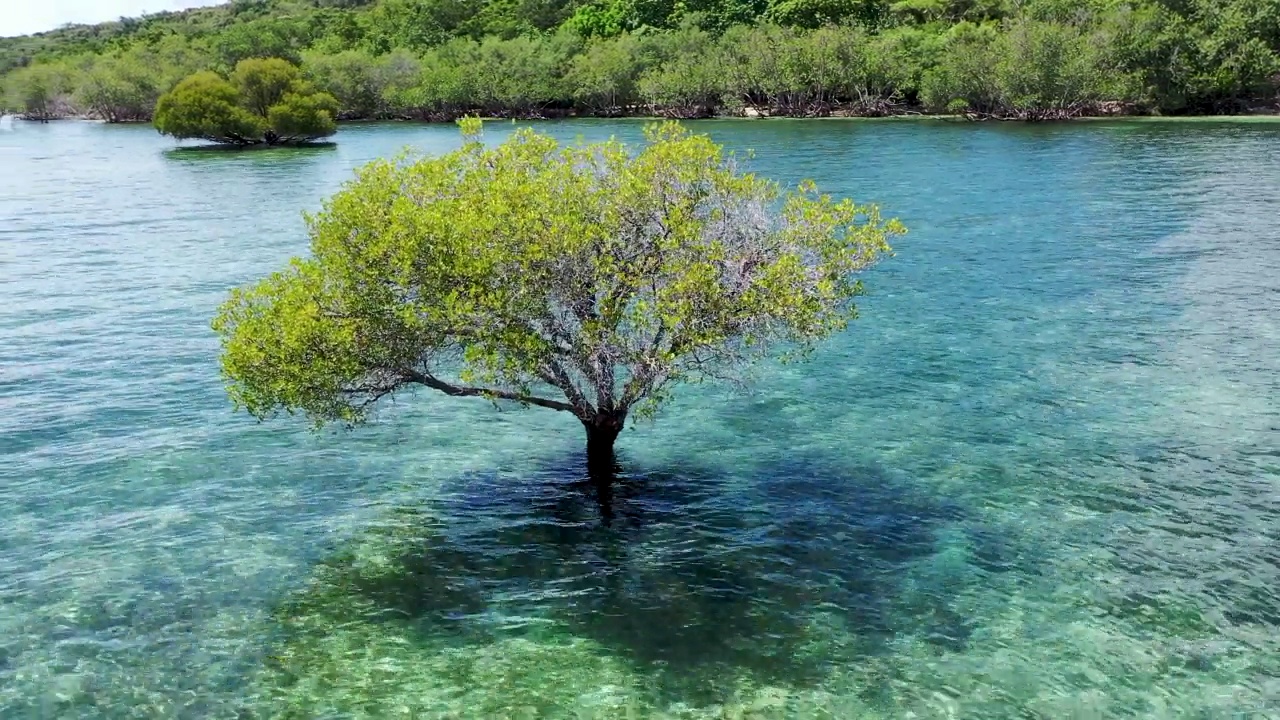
<point x="554" y="374"/>
<point x="462" y="391"/>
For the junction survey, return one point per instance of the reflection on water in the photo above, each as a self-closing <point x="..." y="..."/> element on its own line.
<point x="279" y="150"/>
<point x="698" y="584"/>
<point x="259" y="153"/>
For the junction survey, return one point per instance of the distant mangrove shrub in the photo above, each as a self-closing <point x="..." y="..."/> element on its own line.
<point x="1029" y="70"/>
<point x="40" y="92"/>
<point x="265" y="101"/>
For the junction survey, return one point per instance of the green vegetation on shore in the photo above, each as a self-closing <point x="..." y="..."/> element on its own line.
<point x="440" y="59"/>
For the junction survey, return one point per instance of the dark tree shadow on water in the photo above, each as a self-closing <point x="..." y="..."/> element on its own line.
<point x="191" y="150"/>
<point x="217" y="155"/>
<point x="694" y="576"/>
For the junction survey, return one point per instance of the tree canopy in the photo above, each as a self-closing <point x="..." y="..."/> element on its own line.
<point x="265" y="101"/>
<point x="582" y="278"/>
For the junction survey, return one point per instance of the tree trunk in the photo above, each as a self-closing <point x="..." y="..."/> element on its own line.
<point x="602" y="432"/>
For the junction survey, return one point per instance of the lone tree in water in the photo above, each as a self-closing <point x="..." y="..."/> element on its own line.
<point x="265" y="102"/>
<point x="583" y="279"/>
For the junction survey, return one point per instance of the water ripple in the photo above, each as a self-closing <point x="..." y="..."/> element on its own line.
<point x="1039" y="479"/>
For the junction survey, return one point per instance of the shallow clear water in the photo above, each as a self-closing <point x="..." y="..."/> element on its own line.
<point x="1039" y="479"/>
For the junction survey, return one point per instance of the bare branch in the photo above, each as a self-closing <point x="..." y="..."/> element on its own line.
<point x="462" y="391"/>
<point x="553" y="373"/>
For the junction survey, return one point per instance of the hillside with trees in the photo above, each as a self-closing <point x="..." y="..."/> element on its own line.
<point x="439" y="59"/>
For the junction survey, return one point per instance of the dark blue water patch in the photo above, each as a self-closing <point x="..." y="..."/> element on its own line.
<point x="286" y="156"/>
<point x="692" y="573"/>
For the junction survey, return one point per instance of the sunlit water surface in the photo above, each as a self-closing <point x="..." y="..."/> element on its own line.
<point x="1039" y="479"/>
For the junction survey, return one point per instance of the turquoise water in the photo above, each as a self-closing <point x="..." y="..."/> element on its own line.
<point x="1039" y="479"/>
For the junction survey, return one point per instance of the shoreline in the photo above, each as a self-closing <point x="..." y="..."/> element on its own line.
<point x="751" y="113"/>
<point x="1251" y="117"/>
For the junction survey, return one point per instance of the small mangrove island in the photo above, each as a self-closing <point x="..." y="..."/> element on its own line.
<point x="265" y="102"/>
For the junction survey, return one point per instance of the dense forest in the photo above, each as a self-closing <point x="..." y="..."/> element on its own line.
<point x="438" y="59"/>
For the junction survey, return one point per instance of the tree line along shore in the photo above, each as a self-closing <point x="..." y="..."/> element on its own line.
<point x="443" y="59"/>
